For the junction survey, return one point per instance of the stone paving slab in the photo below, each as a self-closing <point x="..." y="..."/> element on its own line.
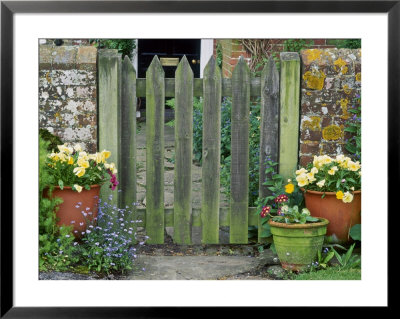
<point x="192" y="267"/>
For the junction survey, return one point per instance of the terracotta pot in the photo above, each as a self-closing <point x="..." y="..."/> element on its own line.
<point x="297" y="245"/>
<point x="341" y="216"/>
<point x="74" y="207"/>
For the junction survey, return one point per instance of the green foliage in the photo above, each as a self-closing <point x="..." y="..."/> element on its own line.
<point x="56" y="251"/>
<point x="296" y="45"/>
<point x="292" y="215"/>
<point x="355" y="232"/>
<point x="108" y="244"/>
<point x="353" y="145"/>
<point x="219" y="53"/>
<point x="323" y="258"/>
<point x="348" y="260"/>
<point x="347" y="43"/>
<point x="124" y="46"/>
<point x="75" y="168"/>
<point x="279" y="188"/>
<point x="331" y="273"/>
<point x="326" y="174"/>
<point x="51" y="138"/>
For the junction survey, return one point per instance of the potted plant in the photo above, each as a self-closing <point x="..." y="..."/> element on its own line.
<point x="297" y="236"/>
<point x="77" y="177"/>
<point x="332" y="190"/>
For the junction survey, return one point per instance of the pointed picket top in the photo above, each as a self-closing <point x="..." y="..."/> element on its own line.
<point x="184" y="66"/>
<point x="270" y="78"/>
<point x="155" y="65"/>
<point x="241" y="66"/>
<point x="212" y="70"/>
<point x="128" y="64"/>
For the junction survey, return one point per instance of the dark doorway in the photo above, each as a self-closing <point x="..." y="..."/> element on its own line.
<point x="170" y="52"/>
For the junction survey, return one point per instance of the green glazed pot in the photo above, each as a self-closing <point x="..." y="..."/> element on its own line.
<point x="297" y="245"/>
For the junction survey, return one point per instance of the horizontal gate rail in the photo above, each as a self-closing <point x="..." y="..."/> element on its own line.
<point x="255" y="87"/>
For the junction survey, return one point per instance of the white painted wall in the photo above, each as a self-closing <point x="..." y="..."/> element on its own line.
<point x="206" y="51"/>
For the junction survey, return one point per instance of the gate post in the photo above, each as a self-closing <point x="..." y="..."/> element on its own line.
<point x="289" y="115"/>
<point x="109" y="66"/>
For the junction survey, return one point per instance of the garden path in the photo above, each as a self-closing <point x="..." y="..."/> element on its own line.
<point x="169" y="171"/>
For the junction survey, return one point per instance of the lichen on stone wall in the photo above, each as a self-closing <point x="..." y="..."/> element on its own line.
<point x="341" y="66"/>
<point x="313" y="123"/>
<point x="314" y="79"/>
<point x="332" y="132"/>
<point x="67" y="93"/>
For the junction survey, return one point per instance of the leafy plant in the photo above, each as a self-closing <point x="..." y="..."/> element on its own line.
<point x="108" y="245"/>
<point x="353" y="145"/>
<point x="71" y="166"/>
<point x="326" y="174"/>
<point x="124" y="46"/>
<point x="51" y="138"/>
<point x="219" y="57"/>
<point x="56" y="251"/>
<point x="296" y="45"/>
<point x="355" y="232"/>
<point x="347" y="43"/>
<point x="348" y="260"/>
<point x="277" y="187"/>
<point x="323" y="258"/>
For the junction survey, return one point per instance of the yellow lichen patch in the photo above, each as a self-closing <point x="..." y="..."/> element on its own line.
<point x="340" y="66"/>
<point x="48" y="77"/>
<point x="314" y="124"/>
<point x="312" y="55"/>
<point x="346" y="89"/>
<point x="308" y="93"/>
<point x="343" y="105"/>
<point x="331" y="132"/>
<point x="358" y="77"/>
<point x="314" y="79"/>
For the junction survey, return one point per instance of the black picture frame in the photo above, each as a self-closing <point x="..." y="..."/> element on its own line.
<point x="9" y="8"/>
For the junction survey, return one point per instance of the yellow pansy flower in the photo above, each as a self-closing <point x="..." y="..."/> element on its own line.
<point x="321" y="183"/>
<point x="70" y="160"/>
<point x="82" y="162"/>
<point x="78" y="188"/>
<point x="65" y="149"/>
<point x="79" y="171"/>
<point x="314" y="170"/>
<point x="311" y="177"/>
<point x="302" y="180"/>
<point x="83" y="155"/>
<point x="106" y="154"/>
<point x="347" y="197"/>
<point x="333" y="170"/>
<point x="289" y="188"/>
<point x="301" y="171"/>
<point x="353" y="166"/>
<point x="339" y="195"/>
<point x="78" y="147"/>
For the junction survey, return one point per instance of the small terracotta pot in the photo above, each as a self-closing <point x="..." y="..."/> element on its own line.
<point x="341" y="216"/>
<point x="74" y="207"/>
<point x="297" y="245"/>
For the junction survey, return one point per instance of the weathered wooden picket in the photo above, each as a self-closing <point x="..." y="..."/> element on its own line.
<point x="279" y="127"/>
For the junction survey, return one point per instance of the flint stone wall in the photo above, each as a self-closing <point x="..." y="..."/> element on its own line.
<point x="67" y="92"/>
<point x="330" y="85"/>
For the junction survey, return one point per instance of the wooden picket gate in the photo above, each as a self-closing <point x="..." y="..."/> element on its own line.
<point x="279" y="125"/>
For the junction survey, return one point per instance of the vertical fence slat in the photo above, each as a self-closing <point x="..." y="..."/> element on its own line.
<point x="155" y="102"/>
<point x="240" y="153"/>
<point x="269" y="135"/>
<point x="128" y="134"/>
<point x="210" y="189"/>
<point x="289" y="113"/>
<point x="183" y="152"/>
<point x="109" y="111"/>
